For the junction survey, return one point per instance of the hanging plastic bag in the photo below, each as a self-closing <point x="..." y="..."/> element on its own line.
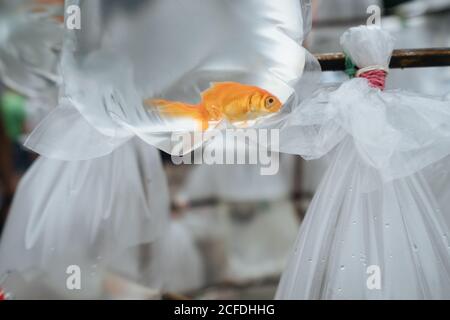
<point x="85" y="213"/>
<point x="126" y="55"/>
<point x="374" y="222"/>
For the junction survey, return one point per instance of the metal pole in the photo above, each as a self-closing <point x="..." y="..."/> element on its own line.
<point x="404" y="58"/>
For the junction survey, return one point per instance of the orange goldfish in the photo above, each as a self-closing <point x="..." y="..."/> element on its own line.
<point x="223" y="100"/>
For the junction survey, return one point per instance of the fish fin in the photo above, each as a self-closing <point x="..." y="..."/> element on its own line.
<point x="204" y="125"/>
<point x="180" y="109"/>
<point x="222" y="85"/>
<point x="214" y="112"/>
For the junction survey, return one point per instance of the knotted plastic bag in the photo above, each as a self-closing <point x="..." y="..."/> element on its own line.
<point x="126" y="53"/>
<point x="396" y="132"/>
<point x="374" y="222"/>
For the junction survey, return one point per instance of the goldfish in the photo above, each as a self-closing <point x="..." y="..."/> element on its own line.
<point x="230" y="101"/>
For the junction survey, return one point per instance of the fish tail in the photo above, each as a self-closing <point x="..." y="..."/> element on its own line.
<point x="180" y="109"/>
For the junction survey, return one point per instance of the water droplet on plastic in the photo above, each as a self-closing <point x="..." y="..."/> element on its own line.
<point x="354" y="222"/>
<point x="415" y="247"/>
<point x="342" y="267"/>
<point x="387" y="225"/>
<point x="309" y="260"/>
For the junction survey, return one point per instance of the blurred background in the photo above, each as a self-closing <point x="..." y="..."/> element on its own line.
<point x="232" y="229"/>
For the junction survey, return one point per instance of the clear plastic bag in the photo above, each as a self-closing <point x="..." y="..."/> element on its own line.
<point x="397" y="227"/>
<point x="396" y="132"/>
<point x="85" y="212"/>
<point x="374" y="208"/>
<point x="127" y="53"/>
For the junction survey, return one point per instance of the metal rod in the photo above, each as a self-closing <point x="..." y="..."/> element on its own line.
<point x="401" y="59"/>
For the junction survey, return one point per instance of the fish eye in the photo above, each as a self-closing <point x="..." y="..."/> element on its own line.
<point x="270" y="102"/>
